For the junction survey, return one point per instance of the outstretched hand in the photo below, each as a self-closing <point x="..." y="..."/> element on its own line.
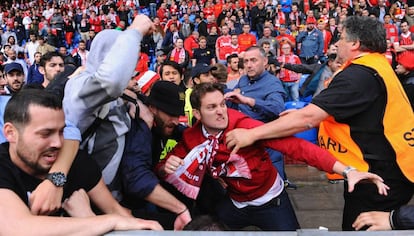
<point x="356" y="176"/>
<point x="238" y="138"/>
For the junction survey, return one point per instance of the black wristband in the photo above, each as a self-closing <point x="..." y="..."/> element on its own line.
<point x="180" y="213"/>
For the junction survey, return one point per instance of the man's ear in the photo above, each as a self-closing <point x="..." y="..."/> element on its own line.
<point x="152" y="109"/>
<point x="196" y="80"/>
<point x="42" y="70"/>
<point x="196" y="114"/>
<point x="10" y="132"/>
<point x="356" y="45"/>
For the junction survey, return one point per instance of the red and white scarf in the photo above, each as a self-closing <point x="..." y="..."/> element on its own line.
<point x="188" y="177"/>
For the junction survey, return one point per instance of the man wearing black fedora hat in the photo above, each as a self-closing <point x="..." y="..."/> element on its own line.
<point x="145" y="146"/>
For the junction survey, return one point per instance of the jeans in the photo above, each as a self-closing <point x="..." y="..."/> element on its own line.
<point x="292" y="90"/>
<point x="275" y="215"/>
<point x="153" y="9"/>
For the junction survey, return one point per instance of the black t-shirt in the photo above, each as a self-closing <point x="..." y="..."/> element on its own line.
<point x="357" y="97"/>
<point x="203" y="56"/>
<point x="84" y="173"/>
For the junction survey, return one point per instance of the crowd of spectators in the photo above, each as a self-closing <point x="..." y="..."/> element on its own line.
<point x="309" y="27"/>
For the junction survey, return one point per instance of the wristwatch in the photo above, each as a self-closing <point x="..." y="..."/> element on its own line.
<point x="346" y="171"/>
<point x="57" y="178"/>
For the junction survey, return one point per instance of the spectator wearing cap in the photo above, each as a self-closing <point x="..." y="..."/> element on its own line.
<point x="200" y="73"/>
<point x="326" y="34"/>
<point x="14" y="76"/>
<point x="311" y="41"/>
<point x="145" y="146"/>
<point x="12" y="57"/>
<point x="405" y="72"/>
<point x="160" y="58"/>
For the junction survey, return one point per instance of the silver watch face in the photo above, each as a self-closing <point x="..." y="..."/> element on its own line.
<point x="57" y="178"/>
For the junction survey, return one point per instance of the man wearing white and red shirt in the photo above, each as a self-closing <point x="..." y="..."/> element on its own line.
<point x="406" y="40"/>
<point x="221" y="43"/>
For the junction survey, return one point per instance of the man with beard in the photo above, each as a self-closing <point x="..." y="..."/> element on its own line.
<point x="12" y="57"/>
<point x="14" y="75"/>
<point x="145" y="145"/>
<point x="311" y="42"/>
<point x="50" y="65"/>
<point x="34" y="122"/>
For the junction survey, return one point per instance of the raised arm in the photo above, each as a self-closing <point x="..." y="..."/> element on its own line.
<point x="287" y="125"/>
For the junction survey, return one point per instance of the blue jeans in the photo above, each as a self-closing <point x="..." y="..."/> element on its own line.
<point x="275" y="215"/>
<point x="153" y="9"/>
<point x="292" y="90"/>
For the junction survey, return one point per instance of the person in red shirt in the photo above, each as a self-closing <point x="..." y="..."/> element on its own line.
<point x="208" y="9"/>
<point x="246" y="39"/>
<point x="289" y="78"/>
<point x="162" y="12"/>
<point x="327" y="35"/>
<point x="390" y="29"/>
<point x="174" y="19"/>
<point x="95" y="22"/>
<point x="222" y="43"/>
<point x="191" y="43"/>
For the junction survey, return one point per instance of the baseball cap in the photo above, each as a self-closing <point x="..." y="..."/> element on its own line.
<point x="311" y="20"/>
<point x="168" y="97"/>
<point x="159" y="53"/>
<point x="9" y="67"/>
<point x="201" y="69"/>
